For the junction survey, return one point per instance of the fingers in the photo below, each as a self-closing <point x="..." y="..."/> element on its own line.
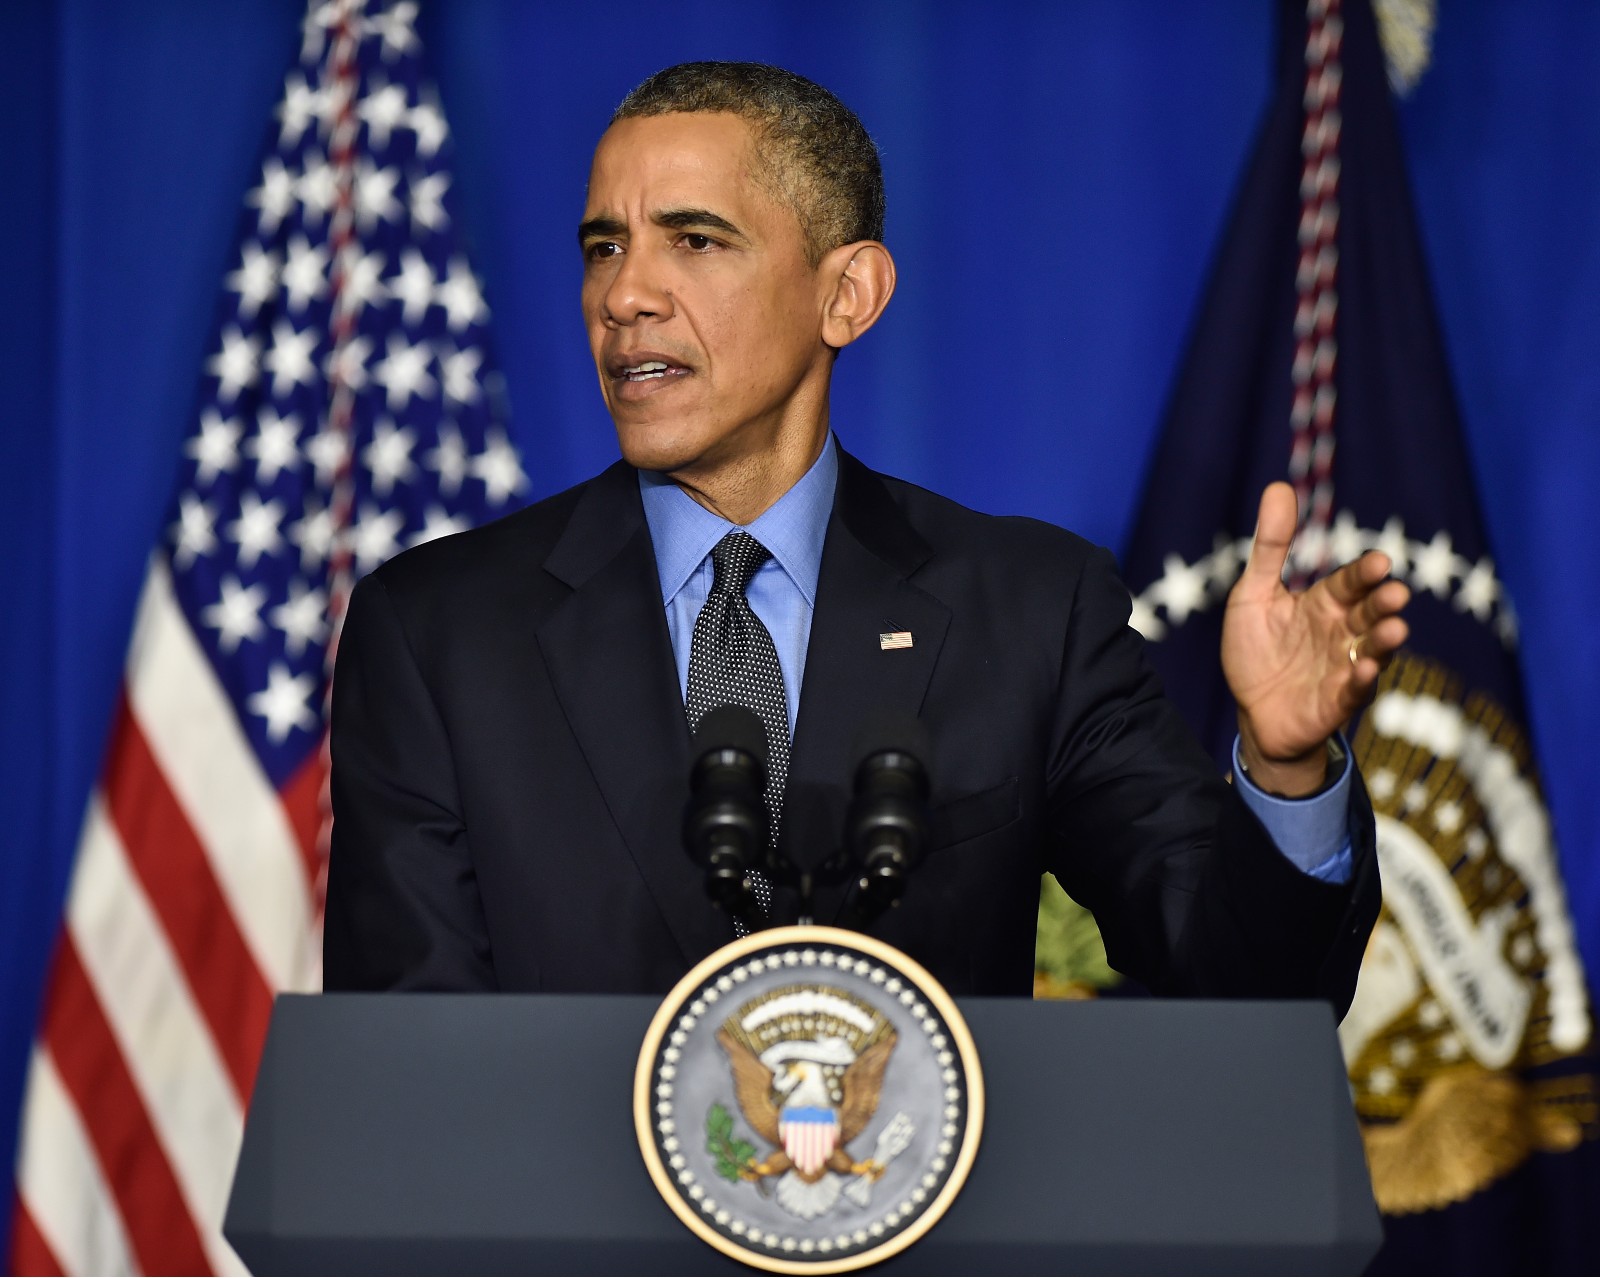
<point x="1350" y="583"/>
<point x="1369" y="652"/>
<point x="1385" y="600"/>
<point x="1380" y="642"/>
<point x="1275" y="526"/>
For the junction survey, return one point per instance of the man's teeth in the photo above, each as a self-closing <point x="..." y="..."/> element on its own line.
<point x="644" y="372"/>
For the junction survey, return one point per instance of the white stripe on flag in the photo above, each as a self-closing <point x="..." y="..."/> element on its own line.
<point x="60" y="1182"/>
<point x="190" y="726"/>
<point x="164" y="1041"/>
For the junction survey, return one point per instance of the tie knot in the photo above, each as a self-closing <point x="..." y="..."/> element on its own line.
<point x="734" y="561"/>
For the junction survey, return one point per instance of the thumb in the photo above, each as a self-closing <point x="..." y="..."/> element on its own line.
<point x="1275" y="526"/>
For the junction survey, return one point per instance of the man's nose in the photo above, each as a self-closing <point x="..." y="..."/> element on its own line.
<point x="637" y="291"/>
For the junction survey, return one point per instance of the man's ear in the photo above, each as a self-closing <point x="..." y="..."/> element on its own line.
<point x="863" y="282"/>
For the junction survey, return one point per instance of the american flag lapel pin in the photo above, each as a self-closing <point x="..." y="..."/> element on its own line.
<point x="891" y="639"/>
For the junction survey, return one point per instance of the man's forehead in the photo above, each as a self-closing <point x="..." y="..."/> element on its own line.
<point x="665" y="158"/>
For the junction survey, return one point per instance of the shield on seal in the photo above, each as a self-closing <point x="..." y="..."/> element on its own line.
<point x="809" y="1135"/>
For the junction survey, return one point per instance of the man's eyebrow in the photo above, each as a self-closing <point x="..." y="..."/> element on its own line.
<point x="596" y="227"/>
<point x="698" y="219"/>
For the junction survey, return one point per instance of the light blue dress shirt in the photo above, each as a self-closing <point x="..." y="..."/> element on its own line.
<point x="1313" y="833"/>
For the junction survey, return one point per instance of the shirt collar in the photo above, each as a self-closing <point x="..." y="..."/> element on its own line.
<point x="792" y="528"/>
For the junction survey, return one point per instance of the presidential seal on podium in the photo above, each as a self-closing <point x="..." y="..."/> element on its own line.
<point x="808" y="1100"/>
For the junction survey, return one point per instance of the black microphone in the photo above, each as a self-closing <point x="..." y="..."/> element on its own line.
<point x="886" y="827"/>
<point x="724" y="825"/>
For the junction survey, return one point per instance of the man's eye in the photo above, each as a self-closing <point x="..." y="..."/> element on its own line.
<point x="602" y="249"/>
<point x="698" y="243"/>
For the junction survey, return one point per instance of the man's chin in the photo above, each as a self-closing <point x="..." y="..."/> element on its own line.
<point x="652" y="449"/>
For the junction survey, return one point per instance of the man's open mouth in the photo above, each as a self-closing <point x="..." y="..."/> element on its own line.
<point x="651" y="370"/>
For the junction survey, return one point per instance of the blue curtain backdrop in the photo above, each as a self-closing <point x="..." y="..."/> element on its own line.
<point x="1058" y="174"/>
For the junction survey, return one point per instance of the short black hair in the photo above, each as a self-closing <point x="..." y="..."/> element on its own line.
<point x="822" y="161"/>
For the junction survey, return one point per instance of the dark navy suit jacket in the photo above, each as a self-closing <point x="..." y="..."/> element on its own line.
<point x="510" y="763"/>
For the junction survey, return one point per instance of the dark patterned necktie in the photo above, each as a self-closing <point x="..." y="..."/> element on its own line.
<point x="732" y="662"/>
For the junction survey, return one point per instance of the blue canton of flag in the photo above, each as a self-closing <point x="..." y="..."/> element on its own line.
<point x="352" y="406"/>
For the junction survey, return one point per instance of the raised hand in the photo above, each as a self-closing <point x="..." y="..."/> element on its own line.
<point x="1301" y="663"/>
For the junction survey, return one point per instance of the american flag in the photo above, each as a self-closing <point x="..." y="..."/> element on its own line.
<point x="348" y="410"/>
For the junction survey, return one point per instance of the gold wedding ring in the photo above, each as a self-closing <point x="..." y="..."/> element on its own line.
<point x="1355" y="649"/>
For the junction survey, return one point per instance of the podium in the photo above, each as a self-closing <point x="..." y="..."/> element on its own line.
<point x="422" y="1133"/>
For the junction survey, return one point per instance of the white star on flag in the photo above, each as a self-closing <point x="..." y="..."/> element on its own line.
<point x="383" y="109"/>
<point x="336" y="97"/>
<point x="216" y="448"/>
<point x="274" y="446"/>
<point x="305" y="273"/>
<point x="1142" y="617"/>
<point x="275" y="196"/>
<point x="193" y="534"/>
<point x="327" y="450"/>
<point x="256" y="529"/>
<point x="301" y="105"/>
<point x="284" y="702"/>
<point x="236" y="616"/>
<point x="1392" y="541"/>
<point x="375" y="536"/>
<point x="414" y="285"/>
<point x="388" y="456"/>
<point x="448" y="460"/>
<point x="1479" y="590"/>
<point x="361" y="283"/>
<point x="427" y="121"/>
<point x="237" y="364"/>
<point x="438" y="524"/>
<point x="1226" y="559"/>
<point x="461" y="297"/>
<point x="289" y="361"/>
<point x="317" y="188"/>
<point x="375" y="195"/>
<point x="460" y="373"/>
<point x="499" y="468"/>
<point x="396" y="28"/>
<point x="347" y="364"/>
<point x="1435" y="565"/>
<point x="1345" y="540"/>
<point x="314" y="534"/>
<point x="256" y="280"/>
<point x="1309" y="553"/>
<point x="1182" y="589"/>
<point x="313" y="29"/>
<point x="427" y="201"/>
<point x="303" y="618"/>
<point x="404" y="372"/>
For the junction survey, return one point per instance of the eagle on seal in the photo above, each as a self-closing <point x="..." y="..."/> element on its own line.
<point x="784" y="1096"/>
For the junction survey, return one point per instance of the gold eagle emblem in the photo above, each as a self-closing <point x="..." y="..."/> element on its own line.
<point x="808" y="1066"/>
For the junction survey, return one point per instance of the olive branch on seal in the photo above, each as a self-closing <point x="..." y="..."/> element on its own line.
<point x="732" y="1155"/>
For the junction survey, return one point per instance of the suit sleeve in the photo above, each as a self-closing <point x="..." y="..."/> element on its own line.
<point x="403" y="910"/>
<point x="1191" y="895"/>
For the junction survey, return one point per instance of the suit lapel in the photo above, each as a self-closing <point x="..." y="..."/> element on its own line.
<point x="863" y="591"/>
<point x="610" y="660"/>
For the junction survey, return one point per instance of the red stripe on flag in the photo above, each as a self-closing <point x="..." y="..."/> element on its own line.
<point x="303" y="802"/>
<point x="30" y="1254"/>
<point x="177" y="876"/>
<point x="160" y="1230"/>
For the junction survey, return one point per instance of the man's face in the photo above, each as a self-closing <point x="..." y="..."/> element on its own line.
<point x="704" y="316"/>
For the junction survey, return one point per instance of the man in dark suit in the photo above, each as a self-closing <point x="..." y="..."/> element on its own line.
<point x="510" y="743"/>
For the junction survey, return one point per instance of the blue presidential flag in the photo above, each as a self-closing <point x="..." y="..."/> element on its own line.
<point x="1317" y="357"/>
